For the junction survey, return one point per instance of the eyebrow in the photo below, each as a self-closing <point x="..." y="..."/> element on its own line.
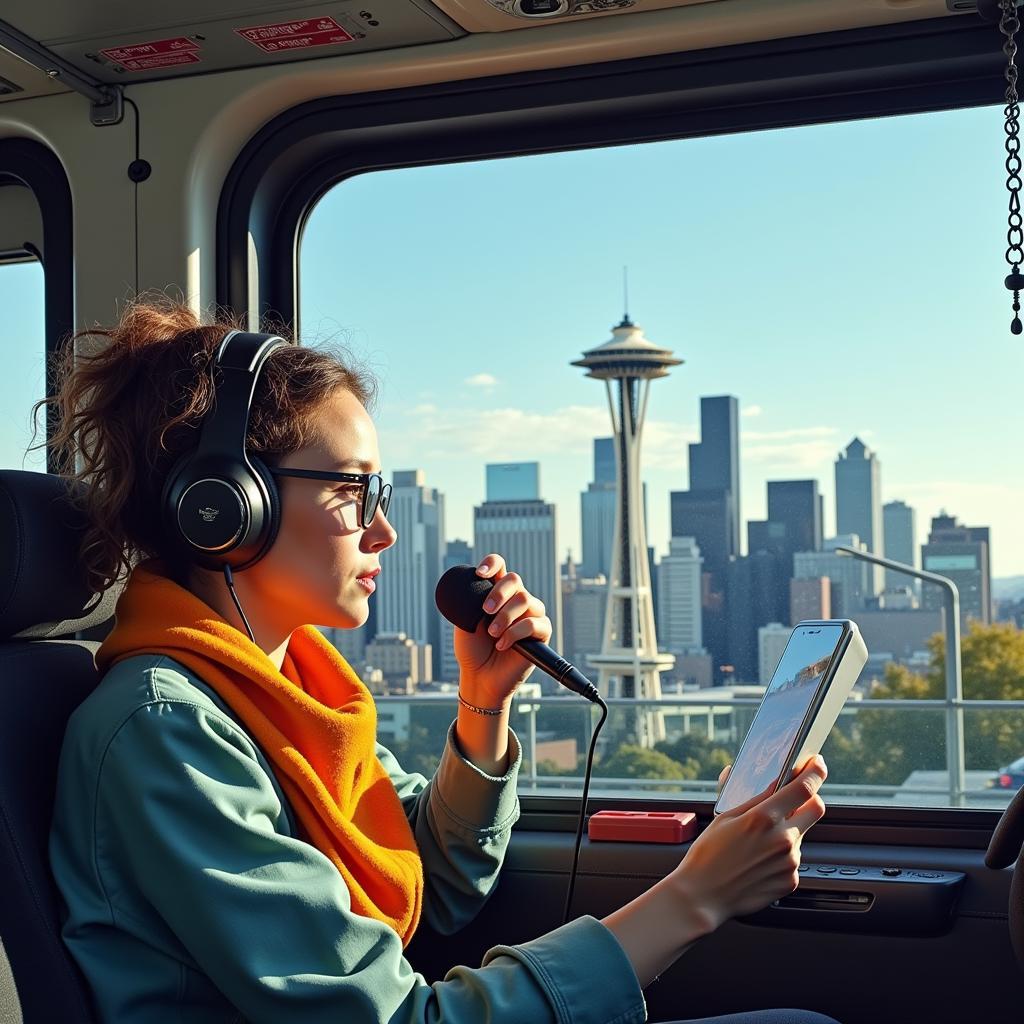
<point x="366" y="467"/>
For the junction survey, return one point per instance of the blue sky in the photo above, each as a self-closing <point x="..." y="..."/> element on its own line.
<point x="840" y="280"/>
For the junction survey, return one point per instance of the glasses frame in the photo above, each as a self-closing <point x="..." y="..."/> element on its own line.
<point x="383" y="495"/>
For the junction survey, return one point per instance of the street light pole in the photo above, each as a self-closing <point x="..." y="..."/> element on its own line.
<point x="954" y="684"/>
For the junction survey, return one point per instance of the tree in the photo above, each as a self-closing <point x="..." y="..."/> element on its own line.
<point x="692" y="747"/>
<point x="630" y="761"/>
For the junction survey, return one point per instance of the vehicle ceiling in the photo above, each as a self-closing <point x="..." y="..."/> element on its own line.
<point x="128" y="42"/>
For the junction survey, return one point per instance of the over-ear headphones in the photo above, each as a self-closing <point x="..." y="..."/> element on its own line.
<point x="220" y="506"/>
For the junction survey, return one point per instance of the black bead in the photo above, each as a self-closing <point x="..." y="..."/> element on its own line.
<point x="1015" y="327"/>
<point x="140" y="170"/>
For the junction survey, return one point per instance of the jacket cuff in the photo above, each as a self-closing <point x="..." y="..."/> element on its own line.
<point x="584" y="972"/>
<point x="480" y="803"/>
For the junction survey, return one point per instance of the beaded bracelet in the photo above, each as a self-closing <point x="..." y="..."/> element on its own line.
<point x="480" y="711"/>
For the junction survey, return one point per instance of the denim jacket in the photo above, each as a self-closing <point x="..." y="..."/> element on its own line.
<point x="190" y="896"/>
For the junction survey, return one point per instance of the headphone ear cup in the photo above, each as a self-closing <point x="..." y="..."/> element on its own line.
<point x="273" y="523"/>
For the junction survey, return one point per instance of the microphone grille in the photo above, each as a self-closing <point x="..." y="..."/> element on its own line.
<point x="460" y="596"/>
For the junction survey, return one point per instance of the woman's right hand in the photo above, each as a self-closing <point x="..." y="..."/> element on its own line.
<point x="749" y="856"/>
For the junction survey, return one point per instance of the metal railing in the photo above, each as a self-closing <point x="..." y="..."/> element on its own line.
<point x="940" y="789"/>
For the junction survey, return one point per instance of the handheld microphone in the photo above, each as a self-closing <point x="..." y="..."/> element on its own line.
<point x="460" y="595"/>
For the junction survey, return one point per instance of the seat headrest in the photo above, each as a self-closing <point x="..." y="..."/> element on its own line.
<point x="43" y="592"/>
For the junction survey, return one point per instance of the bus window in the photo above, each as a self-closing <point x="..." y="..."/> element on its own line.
<point x="847" y="383"/>
<point x="24" y="379"/>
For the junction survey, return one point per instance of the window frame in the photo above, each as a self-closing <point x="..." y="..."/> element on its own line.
<point x="286" y="167"/>
<point x="25" y="162"/>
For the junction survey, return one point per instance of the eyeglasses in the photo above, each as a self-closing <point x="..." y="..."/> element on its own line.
<point x="375" y="493"/>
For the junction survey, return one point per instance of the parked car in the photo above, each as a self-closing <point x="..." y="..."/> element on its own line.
<point x="1010" y="777"/>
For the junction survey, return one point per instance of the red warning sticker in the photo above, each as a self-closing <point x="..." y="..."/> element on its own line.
<point x="143" y="51"/>
<point x="160" y="60"/>
<point x="295" y="35"/>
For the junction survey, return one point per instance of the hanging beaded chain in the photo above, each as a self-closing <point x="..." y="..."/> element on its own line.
<point x="1009" y="25"/>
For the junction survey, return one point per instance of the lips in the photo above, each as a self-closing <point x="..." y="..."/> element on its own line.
<point x="372" y="574"/>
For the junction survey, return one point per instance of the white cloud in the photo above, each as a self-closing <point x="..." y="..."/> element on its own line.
<point x="509" y="434"/>
<point x="423" y="409"/>
<point x="481" y="380"/>
<point x="751" y="411"/>
<point x="783" y="435"/>
<point x="800" y="450"/>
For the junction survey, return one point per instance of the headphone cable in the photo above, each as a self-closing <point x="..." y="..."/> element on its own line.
<point x="229" y="579"/>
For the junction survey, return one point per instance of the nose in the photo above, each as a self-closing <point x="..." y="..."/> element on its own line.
<point x="380" y="534"/>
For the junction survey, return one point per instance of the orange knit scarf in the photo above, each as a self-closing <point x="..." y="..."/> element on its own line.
<point x="316" y="722"/>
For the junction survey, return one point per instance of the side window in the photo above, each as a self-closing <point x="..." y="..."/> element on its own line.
<point x="847" y="382"/>
<point x="22" y="329"/>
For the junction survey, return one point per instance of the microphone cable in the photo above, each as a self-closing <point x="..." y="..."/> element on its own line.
<point x="230" y="580"/>
<point x="596" y="699"/>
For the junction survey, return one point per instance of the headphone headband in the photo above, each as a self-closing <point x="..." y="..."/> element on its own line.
<point x="240" y="358"/>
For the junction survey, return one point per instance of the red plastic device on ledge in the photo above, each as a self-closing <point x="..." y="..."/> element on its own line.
<point x="642" y="826"/>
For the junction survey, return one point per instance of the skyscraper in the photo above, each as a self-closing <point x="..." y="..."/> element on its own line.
<point x="810" y="599"/>
<point x="771" y="643"/>
<point x="679" y="611"/>
<point x="604" y="460"/>
<point x="859" y="502"/>
<point x="848" y="576"/>
<point x="900" y="528"/>
<point x="715" y="459"/>
<point x="456" y="552"/>
<point x="705" y="516"/>
<point x="709" y="512"/>
<point x="702" y="516"/>
<point x="513" y="481"/>
<point x="793" y="524"/>
<point x="629" y="663"/>
<point x="963" y="554"/>
<point x="584" y="600"/>
<point x="597" y="511"/>
<point x="524" y="534"/>
<point x="410" y="570"/>
<point x="754" y="599"/>
<point x="796" y="504"/>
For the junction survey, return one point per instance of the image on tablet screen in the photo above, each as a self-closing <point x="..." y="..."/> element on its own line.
<point x="789" y="695"/>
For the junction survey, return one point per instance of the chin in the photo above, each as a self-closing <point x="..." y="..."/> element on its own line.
<point x="351" y="615"/>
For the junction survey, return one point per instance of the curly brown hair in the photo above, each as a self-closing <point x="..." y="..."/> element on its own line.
<point x="129" y="401"/>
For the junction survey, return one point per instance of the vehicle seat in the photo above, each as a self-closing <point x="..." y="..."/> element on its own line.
<point x="45" y="672"/>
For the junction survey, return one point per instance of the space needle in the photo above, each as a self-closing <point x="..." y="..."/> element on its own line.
<point x="629" y="664"/>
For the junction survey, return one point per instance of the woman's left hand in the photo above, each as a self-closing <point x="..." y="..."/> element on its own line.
<point x="490" y="670"/>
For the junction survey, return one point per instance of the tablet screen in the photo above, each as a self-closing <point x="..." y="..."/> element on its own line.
<point x="790" y="694"/>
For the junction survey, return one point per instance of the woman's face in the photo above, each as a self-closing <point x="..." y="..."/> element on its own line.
<point x="310" y="573"/>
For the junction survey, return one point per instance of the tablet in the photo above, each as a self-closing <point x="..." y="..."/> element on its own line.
<point x="818" y="668"/>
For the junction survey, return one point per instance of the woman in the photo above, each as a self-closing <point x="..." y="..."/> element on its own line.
<point x="230" y="842"/>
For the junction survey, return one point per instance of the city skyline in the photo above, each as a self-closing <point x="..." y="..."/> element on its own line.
<point x="828" y="530"/>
